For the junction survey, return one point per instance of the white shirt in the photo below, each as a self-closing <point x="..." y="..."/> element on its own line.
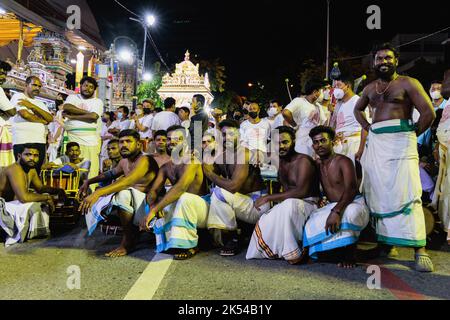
<point x="83" y="132"/>
<point x="165" y="119"/>
<point x="277" y="122"/>
<point x="255" y="136"/>
<point x="345" y="119"/>
<point x="122" y="125"/>
<point x="24" y="131"/>
<point x="146" y="122"/>
<point x="5" y="105"/>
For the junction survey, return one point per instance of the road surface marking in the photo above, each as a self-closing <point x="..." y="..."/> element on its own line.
<point x="145" y="287"/>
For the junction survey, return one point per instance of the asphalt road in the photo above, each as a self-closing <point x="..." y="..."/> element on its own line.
<point x="44" y="269"/>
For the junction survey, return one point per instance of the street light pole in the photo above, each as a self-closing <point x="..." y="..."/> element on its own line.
<point x="328" y="40"/>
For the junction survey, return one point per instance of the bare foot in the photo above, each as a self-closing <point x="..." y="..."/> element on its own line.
<point x="303" y="259"/>
<point x="119" y="252"/>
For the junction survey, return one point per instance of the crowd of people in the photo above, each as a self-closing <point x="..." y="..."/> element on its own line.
<point x="339" y="160"/>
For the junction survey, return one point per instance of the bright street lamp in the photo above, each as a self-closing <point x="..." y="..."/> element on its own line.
<point x="126" y="55"/>
<point x="150" y="19"/>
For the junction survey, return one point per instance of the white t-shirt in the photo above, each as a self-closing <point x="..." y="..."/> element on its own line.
<point x="145" y="121"/>
<point x="5" y="105"/>
<point x="122" y="125"/>
<point x="345" y="119"/>
<point x="255" y="136"/>
<point x="24" y="131"/>
<point x="165" y="119"/>
<point x="86" y="134"/>
<point x="305" y="114"/>
<point x="277" y="122"/>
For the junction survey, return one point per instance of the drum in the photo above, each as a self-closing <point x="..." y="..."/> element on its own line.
<point x="434" y="230"/>
<point x="69" y="182"/>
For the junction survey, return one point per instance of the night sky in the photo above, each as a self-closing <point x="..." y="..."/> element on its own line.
<point x="264" y="40"/>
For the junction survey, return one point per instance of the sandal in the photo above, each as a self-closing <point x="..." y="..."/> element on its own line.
<point x="186" y="254"/>
<point x="230" y="249"/>
<point x="423" y="263"/>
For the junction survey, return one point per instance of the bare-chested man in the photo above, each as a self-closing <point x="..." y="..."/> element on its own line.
<point x="161" y="156"/>
<point x="332" y="231"/>
<point x="22" y="217"/>
<point x="238" y="186"/>
<point x="126" y="196"/>
<point x="278" y="233"/>
<point x="390" y="161"/>
<point x="182" y="208"/>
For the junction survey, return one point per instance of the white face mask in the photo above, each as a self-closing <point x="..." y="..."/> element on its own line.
<point x="338" y="93"/>
<point x="326" y="94"/>
<point x="435" y="95"/>
<point x="139" y="112"/>
<point x="272" y="112"/>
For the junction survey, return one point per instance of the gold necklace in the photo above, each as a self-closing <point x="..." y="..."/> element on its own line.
<point x="389" y="84"/>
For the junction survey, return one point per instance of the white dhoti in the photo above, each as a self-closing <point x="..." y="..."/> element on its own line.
<point x="392" y="186"/>
<point x="226" y="207"/>
<point x="303" y="143"/>
<point x="23" y="221"/>
<point x="178" y="227"/>
<point x="441" y="196"/>
<point x="354" y="219"/>
<point x="347" y="143"/>
<point x="279" y="232"/>
<point x="131" y="201"/>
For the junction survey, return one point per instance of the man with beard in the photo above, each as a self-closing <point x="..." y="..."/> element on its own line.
<point x="7" y="110"/>
<point x="21" y="214"/>
<point x="114" y="156"/>
<point x="83" y="113"/>
<point x="238" y="186"/>
<point x="390" y="161"/>
<point x="28" y="126"/>
<point x="332" y="231"/>
<point x="126" y="196"/>
<point x="279" y="231"/>
<point x="161" y="156"/>
<point x="182" y="208"/>
<point x="304" y="114"/>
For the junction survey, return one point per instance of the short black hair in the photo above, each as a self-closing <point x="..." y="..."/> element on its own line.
<point x="72" y="144"/>
<point x="200" y="99"/>
<point x="111" y="115"/>
<point x="313" y="85"/>
<point x="288" y="130"/>
<point x="113" y="141"/>
<point x="21" y="147"/>
<point x="130" y="133"/>
<point x="148" y="101"/>
<point x="347" y="79"/>
<point x="228" y="123"/>
<point x="169" y="103"/>
<point x="322" y="129"/>
<point x="5" y="66"/>
<point x="90" y="80"/>
<point x="386" y="46"/>
<point x="160" y="133"/>
<point x="177" y="128"/>
<point x="185" y="109"/>
<point x="125" y="109"/>
<point x="31" y="78"/>
<point x="275" y="101"/>
<point x="435" y="82"/>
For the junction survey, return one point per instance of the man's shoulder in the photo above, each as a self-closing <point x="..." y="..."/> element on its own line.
<point x="343" y="160"/>
<point x="301" y="157"/>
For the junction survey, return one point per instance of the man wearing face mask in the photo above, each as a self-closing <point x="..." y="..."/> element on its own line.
<point x="304" y="114"/>
<point x="275" y="118"/>
<point x="350" y="137"/>
<point x="28" y="126"/>
<point x="326" y="104"/>
<point x="255" y="132"/>
<point x="392" y="185"/>
<point x="83" y="125"/>
<point x="436" y="96"/>
<point x="122" y="122"/>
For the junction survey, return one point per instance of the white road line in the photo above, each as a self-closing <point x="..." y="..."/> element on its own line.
<point x="145" y="287"/>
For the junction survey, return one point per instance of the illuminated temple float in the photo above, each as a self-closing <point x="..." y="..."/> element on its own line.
<point x="185" y="82"/>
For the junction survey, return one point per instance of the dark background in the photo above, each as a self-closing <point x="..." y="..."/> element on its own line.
<point x="264" y="40"/>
